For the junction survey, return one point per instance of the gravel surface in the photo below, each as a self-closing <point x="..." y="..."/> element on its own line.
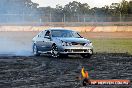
<point x="48" y="72"/>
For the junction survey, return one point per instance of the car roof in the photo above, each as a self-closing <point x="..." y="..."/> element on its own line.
<point x="58" y="29"/>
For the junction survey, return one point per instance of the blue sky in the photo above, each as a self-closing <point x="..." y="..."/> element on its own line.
<point x="92" y="3"/>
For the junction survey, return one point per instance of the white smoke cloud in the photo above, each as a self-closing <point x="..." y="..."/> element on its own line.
<point x="10" y="46"/>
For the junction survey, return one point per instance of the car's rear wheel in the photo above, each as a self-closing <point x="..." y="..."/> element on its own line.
<point x="54" y="51"/>
<point x="35" y="51"/>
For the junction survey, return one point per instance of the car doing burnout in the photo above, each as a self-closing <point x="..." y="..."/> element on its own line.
<point x="61" y="42"/>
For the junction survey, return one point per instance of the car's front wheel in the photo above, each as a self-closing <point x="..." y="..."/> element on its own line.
<point x="54" y="51"/>
<point x="35" y="51"/>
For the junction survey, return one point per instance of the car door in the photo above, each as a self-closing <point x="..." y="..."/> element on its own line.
<point x="47" y="40"/>
<point x="40" y="41"/>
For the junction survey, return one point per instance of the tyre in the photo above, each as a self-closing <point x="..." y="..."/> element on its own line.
<point x="54" y="51"/>
<point x="35" y="51"/>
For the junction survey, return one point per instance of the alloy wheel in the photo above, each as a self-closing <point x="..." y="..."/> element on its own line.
<point x="54" y="51"/>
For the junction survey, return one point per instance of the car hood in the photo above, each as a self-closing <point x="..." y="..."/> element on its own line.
<point x="77" y="40"/>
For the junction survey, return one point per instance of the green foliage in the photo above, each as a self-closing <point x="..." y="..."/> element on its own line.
<point x="17" y="6"/>
<point x="130" y="7"/>
<point x="113" y="45"/>
<point x="76" y="8"/>
<point x="74" y="11"/>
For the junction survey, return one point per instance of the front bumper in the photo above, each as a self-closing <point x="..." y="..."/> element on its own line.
<point x="76" y="50"/>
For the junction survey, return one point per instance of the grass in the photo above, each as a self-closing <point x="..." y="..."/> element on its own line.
<point x="114" y="45"/>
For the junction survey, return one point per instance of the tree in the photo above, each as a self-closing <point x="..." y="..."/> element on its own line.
<point x="130" y="7"/>
<point x="84" y="8"/>
<point x="124" y="5"/>
<point x="16" y="10"/>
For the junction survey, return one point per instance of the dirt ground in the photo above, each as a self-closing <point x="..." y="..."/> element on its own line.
<point x="48" y="72"/>
<point x="19" y="69"/>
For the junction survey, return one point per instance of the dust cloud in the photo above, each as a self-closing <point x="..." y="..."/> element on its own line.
<point x="16" y="43"/>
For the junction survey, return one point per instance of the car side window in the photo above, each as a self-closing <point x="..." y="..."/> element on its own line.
<point x="41" y="34"/>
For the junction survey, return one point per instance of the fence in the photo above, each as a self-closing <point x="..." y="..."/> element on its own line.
<point x="40" y="19"/>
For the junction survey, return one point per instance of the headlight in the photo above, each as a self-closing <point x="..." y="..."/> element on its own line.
<point x="66" y="44"/>
<point x="88" y="44"/>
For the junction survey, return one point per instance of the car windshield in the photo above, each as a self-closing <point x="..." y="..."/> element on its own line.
<point x="64" y="33"/>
